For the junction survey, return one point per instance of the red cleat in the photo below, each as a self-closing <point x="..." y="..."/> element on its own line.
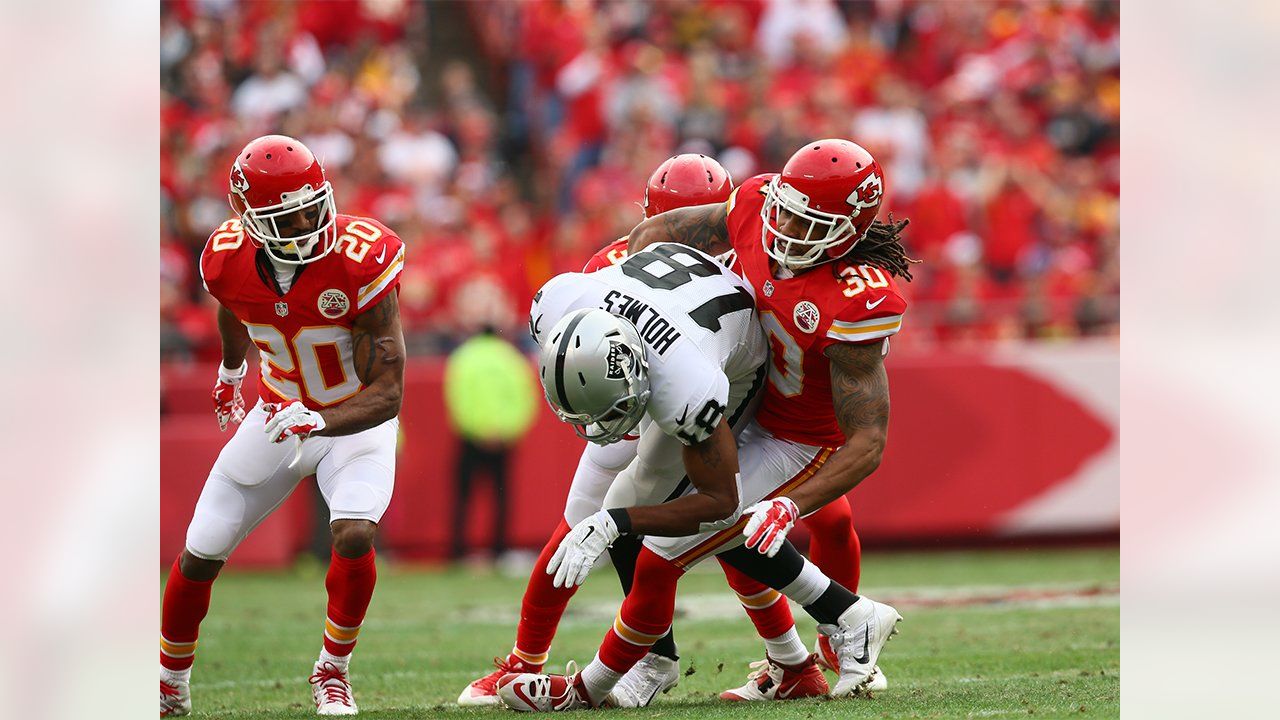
<point x="484" y="691"/>
<point x="775" y="681"/>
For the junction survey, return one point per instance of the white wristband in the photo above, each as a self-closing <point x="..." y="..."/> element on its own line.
<point x="233" y="376"/>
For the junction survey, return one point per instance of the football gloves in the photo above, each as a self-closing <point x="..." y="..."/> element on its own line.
<point x="769" y="524"/>
<point x="228" y="404"/>
<point x="581" y="548"/>
<point x="291" y="419"/>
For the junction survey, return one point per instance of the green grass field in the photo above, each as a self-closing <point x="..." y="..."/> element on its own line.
<point x="986" y="634"/>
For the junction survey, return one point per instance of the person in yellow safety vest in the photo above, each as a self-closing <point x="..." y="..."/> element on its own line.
<point x="492" y="400"/>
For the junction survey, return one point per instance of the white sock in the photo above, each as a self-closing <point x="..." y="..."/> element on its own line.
<point x="175" y="676"/>
<point x="787" y="648"/>
<point x="598" y="679"/>
<point x="808" y="586"/>
<point x="340" y="660"/>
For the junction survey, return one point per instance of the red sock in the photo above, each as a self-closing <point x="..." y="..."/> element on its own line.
<point x="350" y="584"/>
<point x="186" y="602"/>
<point x="765" y="606"/>
<point x="541" y="608"/>
<point x="834" y="545"/>
<point x="646" y="612"/>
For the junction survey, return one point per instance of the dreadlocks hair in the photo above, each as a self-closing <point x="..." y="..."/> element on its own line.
<point x="882" y="246"/>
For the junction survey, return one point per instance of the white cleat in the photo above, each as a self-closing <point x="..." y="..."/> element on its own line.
<point x="331" y="690"/>
<point x="857" y="639"/>
<point x="652" y="675"/>
<point x="537" y="692"/>
<point x="175" y="697"/>
<point x="827" y="660"/>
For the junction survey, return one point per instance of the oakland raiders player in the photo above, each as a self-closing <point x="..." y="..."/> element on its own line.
<point x="660" y="342"/>
<point x="666" y="342"/>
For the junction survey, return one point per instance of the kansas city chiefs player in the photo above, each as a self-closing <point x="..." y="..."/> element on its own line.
<point x="314" y="292"/>
<point x="823" y="270"/>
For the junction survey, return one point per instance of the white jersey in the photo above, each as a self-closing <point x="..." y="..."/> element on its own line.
<point x="704" y="346"/>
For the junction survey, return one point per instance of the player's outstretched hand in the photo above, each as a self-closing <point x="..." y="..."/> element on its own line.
<point x="769" y="523"/>
<point x="581" y="548"/>
<point x="291" y="419"/>
<point x="228" y="404"/>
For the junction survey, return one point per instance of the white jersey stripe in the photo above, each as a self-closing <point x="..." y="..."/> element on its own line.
<point x="379" y="284"/>
<point x="862" y="325"/>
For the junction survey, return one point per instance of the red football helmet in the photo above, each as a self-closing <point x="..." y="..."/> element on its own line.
<point x="834" y="184"/>
<point x="686" y="180"/>
<point x="280" y="193"/>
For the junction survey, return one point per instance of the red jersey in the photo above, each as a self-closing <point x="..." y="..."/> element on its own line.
<point x="612" y="254"/>
<point x="802" y="315"/>
<point x="304" y="335"/>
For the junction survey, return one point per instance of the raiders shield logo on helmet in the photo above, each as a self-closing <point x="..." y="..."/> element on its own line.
<point x="619" y="354"/>
<point x="333" y="304"/>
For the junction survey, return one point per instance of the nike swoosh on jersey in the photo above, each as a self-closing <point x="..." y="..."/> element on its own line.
<point x="872" y="305"/>
<point x="381" y="255"/>
<point x="683" y="415"/>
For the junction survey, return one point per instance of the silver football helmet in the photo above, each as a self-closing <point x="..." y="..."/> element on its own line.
<point x="595" y="375"/>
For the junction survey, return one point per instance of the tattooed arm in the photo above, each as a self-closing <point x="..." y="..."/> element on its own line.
<point x="703" y="227"/>
<point x="378" y="354"/>
<point x="860" y="390"/>
<point x="712" y="468"/>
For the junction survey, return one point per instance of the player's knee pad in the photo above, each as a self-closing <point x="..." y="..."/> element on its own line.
<point x="357" y="498"/>
<point x="218" y="521"/>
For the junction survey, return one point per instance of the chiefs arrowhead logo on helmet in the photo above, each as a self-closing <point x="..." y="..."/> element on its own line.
<point x="867" y="194"/>
<point x="238" y="181"/>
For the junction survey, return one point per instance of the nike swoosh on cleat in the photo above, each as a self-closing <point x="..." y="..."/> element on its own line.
<point x="870" y="305"/>
<point x="866" y="636"/>
<point x="518" y="690"/>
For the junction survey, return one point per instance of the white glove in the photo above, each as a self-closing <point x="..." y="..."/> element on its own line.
<point x="291" y="419"/>
<point x="228" y="404"/>
<point x="769" y="524"/>
<point x="581" y="548"/>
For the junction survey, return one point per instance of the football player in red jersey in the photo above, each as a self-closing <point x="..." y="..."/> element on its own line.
<point x="315" y="293"/>
<point x="824" y="273"/>
<point x="680" y="181"/>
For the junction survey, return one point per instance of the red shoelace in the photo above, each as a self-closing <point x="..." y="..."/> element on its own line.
<point x="333" y="683"/>
<point x="489" y="683"/>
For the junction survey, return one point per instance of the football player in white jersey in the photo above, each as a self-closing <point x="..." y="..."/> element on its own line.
<point x="658" y="343"/>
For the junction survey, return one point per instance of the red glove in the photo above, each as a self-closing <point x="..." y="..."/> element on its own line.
<point x="770" y="522"/>
<point x="228" y="404"/>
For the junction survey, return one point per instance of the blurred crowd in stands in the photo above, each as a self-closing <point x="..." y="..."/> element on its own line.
<point x="507" y="141"/>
